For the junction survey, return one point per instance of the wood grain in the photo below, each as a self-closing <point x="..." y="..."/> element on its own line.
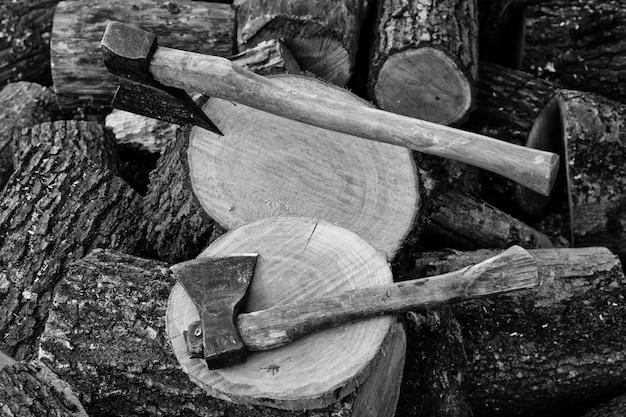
<point x="299" y="257"/>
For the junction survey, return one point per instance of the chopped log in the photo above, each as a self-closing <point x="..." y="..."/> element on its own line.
<point x="32" y="389"/>
<point x="433" y="380"/>
<point x="271" y="166"/>
<point x="502" y="31"/>
<point x="459" y="221"/>
<point x="322" y="35"/>
<point x="424" y="59"/>
<point x="554" y="350"/>
<point x="24" y="40"/>
<point x="59" y="203"/>
<point x="578" y="45"/>
<point x="129" y="368"/>
<point x="269" y="57"/>
<point x="589" y="130"/>
<point x="299" y="258"/>
<point x="80" y="79"/>
<point x="25" y="104"/>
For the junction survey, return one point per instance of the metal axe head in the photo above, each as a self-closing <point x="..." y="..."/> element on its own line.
<point x="127" y="52"/>
<point x="218" y="288"/>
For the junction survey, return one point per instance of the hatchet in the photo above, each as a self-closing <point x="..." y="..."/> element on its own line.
<point x="218" y="288"/>
<point x="156" y="78"/>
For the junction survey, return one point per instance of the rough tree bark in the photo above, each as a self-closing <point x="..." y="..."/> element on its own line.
<point x="578" y="44"/>
<point x="323" y="35"/>
<point x="80" y="79"/>
<point x="550" y="351"/>
<point x="25" y="39"/>
<point x="424" y="58"/>
<point x="589" y="130"/>
<point x="24" y="104"/>
<point x="613" y="408"/>
<point x="60" y="203"/>
<point x="130" y="368"/>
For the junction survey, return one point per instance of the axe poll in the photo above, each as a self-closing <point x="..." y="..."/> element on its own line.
<point x="218" y="288"/>
<point x="156" y="78"/>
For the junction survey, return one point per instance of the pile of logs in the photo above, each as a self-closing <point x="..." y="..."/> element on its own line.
<point x="96" y="203"/>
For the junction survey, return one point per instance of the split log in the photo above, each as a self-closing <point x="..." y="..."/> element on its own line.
<point x="34" y="390"/>
<point x="424" y="58"/>
<point x="589" y="130"/>
<point x="457" y="220"/>
<point x="24" y="40"/>
<point x="578" y="45"/>
<point x="554" y="350"/>
<point x="270" y="166"/>
<point x="24" y="104"/>
<point x="129" y="368"/>
<point x="322" y="35"/>
<point x="299" y="258"/>
<point x="502" y="31"/>
<point x="59" y="203"/>
<point x="436" y="362"/>
<point x="80" y="79"/>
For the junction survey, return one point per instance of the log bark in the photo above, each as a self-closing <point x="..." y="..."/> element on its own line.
<point x="424" y="58"/>
<point x="578" y="45"/>
<point x="80" y="79"/>
<point x="60" y="203"/>
<point x="554" y="350"/>
<point x="436" y="362"/>
<point x="32" y="389"/>
<point x="613" y="408"/>
<point x="589" y="130"/>
<point x="130" y="367"/>
<point x="502" y="31"/>
<point x="25" y="104"/>
<point x="299" y="258"/>
<point x="271" y="166"/>
<point x="323" y="35"/>
<point x="25" y="39"/>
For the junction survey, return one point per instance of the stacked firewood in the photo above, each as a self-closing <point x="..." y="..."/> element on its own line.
<point x="96" y="203"/>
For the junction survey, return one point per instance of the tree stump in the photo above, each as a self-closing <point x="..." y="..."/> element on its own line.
<point x="578" y="45"/>
<point x="424" y="59"/>
<point x="25" y="40"/>
<point x="34" y="390"/>
<point x="270" y="166"/>
<point x="80" y="79"/>
<point x="26" y="104"/>
<point x="298" y="258"/>
<point x="59" y="203"/>
<point x="554" y="350"/>
<point x="588" y="130"/>
<point x="322" y="35"/>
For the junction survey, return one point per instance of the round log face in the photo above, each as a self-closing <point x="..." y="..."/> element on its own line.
<point x="424" y="83"/>
<point x="266" y="166"/>
<point x="299" y="258"/>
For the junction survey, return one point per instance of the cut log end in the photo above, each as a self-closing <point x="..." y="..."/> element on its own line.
<point x="424" y="83"/>
<point x="299" y="258"/>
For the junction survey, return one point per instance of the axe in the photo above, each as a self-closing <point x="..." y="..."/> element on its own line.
<point x="155" y="79"/>
<point x="218" y="287"/>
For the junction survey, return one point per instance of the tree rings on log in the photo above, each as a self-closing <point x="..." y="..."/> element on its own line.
<point x="266" y="165"/>
<point x="299" y="258"/>
<point x="322" y="35"/>
<point x="81" y="80"/>
<point x="425" y="59"/>
<point x="588" y="132"/>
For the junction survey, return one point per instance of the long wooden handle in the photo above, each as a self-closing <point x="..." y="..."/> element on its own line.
<point x="219" y="77"/>
<point x="513" y="269"/>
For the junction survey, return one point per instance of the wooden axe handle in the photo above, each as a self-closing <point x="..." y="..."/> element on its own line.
<point x="219" y="77"/>
<point x="513" y="269"/>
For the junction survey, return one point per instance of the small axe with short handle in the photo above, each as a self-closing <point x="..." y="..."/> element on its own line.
<point x="218" y="288"/>
<point x="155" y="79"/>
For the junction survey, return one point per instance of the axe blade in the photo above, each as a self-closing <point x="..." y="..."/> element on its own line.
<point x="169" y="104"/>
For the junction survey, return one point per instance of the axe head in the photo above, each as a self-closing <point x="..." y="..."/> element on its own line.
<point x="127" y="52"/>
<point x="218" y="287"/>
